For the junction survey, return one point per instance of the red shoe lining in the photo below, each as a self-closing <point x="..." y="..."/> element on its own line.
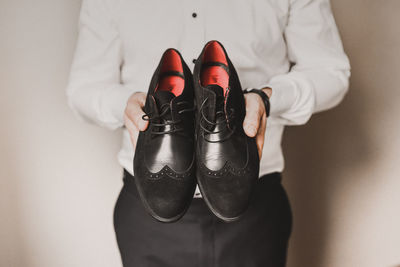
<point x="215" y="74"/>
<point x="172" y="83"/>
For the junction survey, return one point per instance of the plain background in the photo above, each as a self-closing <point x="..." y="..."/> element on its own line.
<point x="59" y="178"/>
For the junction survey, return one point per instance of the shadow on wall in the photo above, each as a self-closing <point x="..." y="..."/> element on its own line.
<point x="323" y="156"/>
<point x="317" y="156"/>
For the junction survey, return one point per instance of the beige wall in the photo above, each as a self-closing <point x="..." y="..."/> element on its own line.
<point x="59" y="178"/>
<point x="343" y="167"/>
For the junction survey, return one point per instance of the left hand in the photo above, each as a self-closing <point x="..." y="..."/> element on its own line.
<point x="255" y="122"/>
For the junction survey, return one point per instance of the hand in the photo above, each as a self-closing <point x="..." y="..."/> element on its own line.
<point x="255" y="122"/>
<point x="133" y="116"/>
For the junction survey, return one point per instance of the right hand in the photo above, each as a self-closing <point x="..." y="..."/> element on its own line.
<point x="133" y="116"/>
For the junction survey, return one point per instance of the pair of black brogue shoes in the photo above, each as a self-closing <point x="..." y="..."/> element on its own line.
<point x="195" y="136"/>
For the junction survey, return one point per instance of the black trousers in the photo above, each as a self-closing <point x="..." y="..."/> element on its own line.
<point x="200" y="239"/>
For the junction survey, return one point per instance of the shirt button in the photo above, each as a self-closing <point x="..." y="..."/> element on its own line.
<point x="194" y="60"/>
<point x="194" y="14"/>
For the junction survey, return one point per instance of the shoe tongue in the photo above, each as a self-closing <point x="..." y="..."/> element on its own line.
<point x="220" y="99"/>
<point x="163" y="97"/>
<point x="218" y="90"/>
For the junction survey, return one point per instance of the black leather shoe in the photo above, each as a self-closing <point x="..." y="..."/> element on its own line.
<point x="164" y="157"/>
<point x="227" y="159"/>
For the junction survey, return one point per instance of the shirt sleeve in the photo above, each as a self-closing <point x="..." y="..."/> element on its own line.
<point x="319" y="77"/>
<point x="94" y="91"/>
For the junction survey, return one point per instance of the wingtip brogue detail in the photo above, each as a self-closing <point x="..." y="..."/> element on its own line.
<point x="167" y="171"/>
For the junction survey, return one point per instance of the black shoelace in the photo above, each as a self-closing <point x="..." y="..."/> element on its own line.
<point x="227" y="119"/>
<point x="165" y="108"/>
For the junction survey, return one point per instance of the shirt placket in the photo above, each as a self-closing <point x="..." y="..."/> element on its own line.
<point x="193" y="38"/>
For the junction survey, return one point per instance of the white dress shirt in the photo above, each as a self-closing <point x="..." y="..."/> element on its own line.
<point x="292" y="46"/>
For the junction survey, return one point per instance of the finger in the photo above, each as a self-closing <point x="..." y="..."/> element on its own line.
<point x="260" y="138"/>
<point x="252" y="119"/>
<point x="132" y="129"/>
<point x="135" y="113"/>
<point x="134" y="136"/>
<point x="141" y="98"/>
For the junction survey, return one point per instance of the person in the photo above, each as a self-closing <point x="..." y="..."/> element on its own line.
<point x="289" y="48"/>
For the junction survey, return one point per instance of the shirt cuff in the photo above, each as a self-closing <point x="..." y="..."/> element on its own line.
<point x="115" y="101"/>
<point x="104" y="107"/>
<point x="283" y="96"/>
<point x="292" y="99"/>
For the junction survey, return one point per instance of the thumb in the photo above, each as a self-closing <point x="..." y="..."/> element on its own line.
<point x="251" y="122"/>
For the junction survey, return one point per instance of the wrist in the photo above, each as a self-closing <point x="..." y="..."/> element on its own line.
<point x="263" y="95"/>
<point x="267" y="91"/>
